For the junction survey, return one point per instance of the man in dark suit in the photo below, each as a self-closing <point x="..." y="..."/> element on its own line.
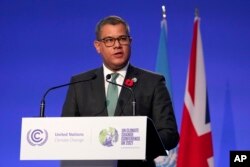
<point x="90" y="98"/>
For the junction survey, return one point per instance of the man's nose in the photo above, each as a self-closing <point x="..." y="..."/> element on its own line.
<point x="117" y="43"/>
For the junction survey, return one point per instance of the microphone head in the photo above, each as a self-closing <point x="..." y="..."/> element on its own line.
<point x="108" y="76"/>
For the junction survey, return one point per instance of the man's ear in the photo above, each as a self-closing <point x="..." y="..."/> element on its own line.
<point x="97" y="46"/>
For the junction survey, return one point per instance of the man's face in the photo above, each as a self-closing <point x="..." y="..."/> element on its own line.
<point x="114" y="57"/>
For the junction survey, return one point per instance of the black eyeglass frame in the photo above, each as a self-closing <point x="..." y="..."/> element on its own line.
<point x="119" y="39"/>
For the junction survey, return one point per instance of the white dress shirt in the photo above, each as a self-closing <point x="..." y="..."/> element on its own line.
<point x="122" y="73"/>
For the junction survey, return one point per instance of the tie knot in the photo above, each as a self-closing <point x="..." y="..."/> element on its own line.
<point x="114" y="76"/>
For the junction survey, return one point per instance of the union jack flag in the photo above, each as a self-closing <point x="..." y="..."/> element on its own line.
<point x="195" y="146"/>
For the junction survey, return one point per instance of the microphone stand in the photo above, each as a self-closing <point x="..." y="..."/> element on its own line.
<point x="133" y="105"/>
<point x="42" y="104"/>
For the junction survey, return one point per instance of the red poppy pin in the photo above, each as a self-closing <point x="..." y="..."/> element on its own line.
<point x="130" y="82"/>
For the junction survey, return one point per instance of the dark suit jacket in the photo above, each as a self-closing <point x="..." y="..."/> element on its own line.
<point x="152" y="100"/>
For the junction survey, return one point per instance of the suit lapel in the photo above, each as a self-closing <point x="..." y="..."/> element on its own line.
<point x="99" y="94"/>
<point x="124" y="104"/>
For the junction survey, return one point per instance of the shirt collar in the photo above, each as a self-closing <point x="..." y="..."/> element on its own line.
<point x="122" y="72"/>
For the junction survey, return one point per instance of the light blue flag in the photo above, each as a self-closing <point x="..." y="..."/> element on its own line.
<point x="162" y="67"/>
<point x="228" y="131"/>
<point x="162" y="63"/>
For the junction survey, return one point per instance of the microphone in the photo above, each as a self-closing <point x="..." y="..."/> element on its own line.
<point x="42" y="104"/>
<point x="126" y="87"/>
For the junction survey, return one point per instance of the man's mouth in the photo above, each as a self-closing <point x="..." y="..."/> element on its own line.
<point x="118" y="54"/>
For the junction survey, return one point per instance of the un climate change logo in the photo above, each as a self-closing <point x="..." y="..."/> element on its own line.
<point x="37" y="137"/>
<point x="108" y="137"/>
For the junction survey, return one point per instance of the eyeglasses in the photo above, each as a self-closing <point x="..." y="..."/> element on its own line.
<point x="123" y="40"/>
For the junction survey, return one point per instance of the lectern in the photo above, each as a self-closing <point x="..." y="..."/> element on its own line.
<point x="92" y="140"/>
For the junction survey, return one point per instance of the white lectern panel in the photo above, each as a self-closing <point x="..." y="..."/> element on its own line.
<point x="83" y="138"/>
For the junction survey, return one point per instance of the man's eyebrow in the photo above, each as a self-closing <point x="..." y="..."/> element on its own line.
<point x="115" y="37"/>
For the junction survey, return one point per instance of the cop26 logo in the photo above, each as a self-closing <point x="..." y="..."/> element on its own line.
<point x="108" y="137"/>
<point x="37" y="137"/>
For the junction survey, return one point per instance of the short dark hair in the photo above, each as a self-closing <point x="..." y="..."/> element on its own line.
<point x="113" y="20"/>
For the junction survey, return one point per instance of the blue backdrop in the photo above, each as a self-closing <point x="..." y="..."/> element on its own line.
<point x="43" y="43"/>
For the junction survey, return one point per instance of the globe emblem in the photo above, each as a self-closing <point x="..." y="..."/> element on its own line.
<point x="108" y="137"/>
<point x="37" y="137"/>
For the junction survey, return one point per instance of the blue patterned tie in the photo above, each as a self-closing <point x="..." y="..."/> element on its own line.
<point x="112" y="95"/>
